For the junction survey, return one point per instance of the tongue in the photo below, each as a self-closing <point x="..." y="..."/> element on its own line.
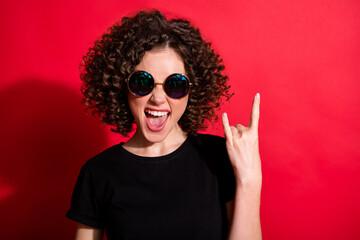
<point x="156" y="123"/>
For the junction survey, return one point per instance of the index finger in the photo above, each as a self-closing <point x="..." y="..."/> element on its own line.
<point x="255" y="113"/>
<point x="226" y="126"/>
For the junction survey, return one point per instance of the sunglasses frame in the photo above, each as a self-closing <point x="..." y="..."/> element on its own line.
<point x="163" y="84"/>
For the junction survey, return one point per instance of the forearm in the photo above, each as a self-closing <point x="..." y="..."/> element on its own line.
<point x="84" y="232"/>
<point x="245" y="224"/>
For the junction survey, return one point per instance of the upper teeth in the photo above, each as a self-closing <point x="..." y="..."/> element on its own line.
<point x="156" y="113"/>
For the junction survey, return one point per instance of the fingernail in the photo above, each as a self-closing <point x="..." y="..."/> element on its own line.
<point x="257" y="96"/>
<point x="224" y="115"/>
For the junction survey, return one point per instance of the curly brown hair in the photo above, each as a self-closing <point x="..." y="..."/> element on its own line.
<point x="114" y="56"/>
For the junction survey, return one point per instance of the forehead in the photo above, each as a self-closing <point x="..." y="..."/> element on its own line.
<point x="161" y="62"/>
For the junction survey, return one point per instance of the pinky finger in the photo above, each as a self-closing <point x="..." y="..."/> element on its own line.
<point x="226" y="126"/>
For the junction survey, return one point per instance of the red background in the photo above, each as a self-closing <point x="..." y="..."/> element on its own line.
<point x="302" y="56"/>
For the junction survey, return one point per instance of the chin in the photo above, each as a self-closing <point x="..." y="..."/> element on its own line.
<point x="155" y="137"/>
<point x="158" y="136"/>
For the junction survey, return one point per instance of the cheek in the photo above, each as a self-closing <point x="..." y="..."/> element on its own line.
<point x="181" y="106"/>
<point x="136" y="105"/>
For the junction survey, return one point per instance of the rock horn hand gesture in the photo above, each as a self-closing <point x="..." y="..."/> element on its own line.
<point x="242" y="145"/>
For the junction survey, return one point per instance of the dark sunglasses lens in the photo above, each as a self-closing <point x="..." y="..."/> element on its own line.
<point x="176" y="86"/>
<point x="141" y="83"/>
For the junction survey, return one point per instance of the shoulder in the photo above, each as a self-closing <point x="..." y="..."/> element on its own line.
<point x="104" y="159"/>
<point x="211" y="146"/>
<point x="208" y="140"/>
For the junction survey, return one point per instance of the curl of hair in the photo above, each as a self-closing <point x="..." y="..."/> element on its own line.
<point x="113" y="57"/>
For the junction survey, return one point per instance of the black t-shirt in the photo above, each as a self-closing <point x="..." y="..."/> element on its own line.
<point x="181" y="195"/>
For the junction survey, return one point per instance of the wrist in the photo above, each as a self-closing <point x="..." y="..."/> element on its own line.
<point x="248" y="181"/>
<point x="253" y="186"/>
<point x="248" y="192"/>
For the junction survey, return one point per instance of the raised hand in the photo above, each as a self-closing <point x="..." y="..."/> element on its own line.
<point x="242" y="145"/>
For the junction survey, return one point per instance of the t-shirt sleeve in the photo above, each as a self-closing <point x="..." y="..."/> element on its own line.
<point x="226" y="174"/>
<point x="85" y="208"/>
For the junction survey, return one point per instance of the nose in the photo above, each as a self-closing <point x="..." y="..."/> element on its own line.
<point x="158" y="96"/>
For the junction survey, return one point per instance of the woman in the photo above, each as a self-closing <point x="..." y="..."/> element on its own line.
<point x="166" y="181"/>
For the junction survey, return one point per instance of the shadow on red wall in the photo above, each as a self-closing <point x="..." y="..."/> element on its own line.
<point x="45" y="138"/>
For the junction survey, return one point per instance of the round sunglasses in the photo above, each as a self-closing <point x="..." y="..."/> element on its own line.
<point x="141" y="83"/>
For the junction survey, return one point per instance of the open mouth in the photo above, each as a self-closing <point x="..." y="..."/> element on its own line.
<point x="156" y="120"/>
